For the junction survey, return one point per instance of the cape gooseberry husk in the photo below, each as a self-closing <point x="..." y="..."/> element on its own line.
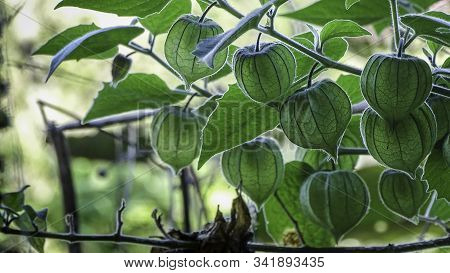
<point x="394" y="86"/>
<point x="257" y="166"/>
<point x="120" y="67"/>
<point x="182" y="40"/>
<point x="264" y="72"/>
<point x="402" y="145"/>
<point x="316" y="117"/>
<point x="441" y="109"/>
<point x="176" y="136"/>
<point x="402" y="195"/>
<point x="336" y="200"/>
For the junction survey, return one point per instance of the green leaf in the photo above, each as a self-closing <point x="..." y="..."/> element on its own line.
<point x="59" y="41"/>
<point x="324" y="11"/>
<point x="161" y="22"/>
<point x="29" y="221"/>
<point x="430" y="28"/>
<point x="140" y="8"/>
<point x="226" y="69"/>
<point x="334" y="48"/>
<point x="94" y="42"/>
<point x="441" y="210"/>
<point x="203" y="4"/>
<point x="277" y="3"/>
<point x="14" y="200"/>
<point x="209" y="106"/>
<point x="350" y="3"/>
<point x="236" y="120"/>
<point x="136" y="92"/>
<point x="278" y="223"/>
<point x="208" y="48"/>
<point x="342" y="29"/>
<point x="350" y="84"/>
<point x="434" y="47"/>
<point x="437" y="174"/>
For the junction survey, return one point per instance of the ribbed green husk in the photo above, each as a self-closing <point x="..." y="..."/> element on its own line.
<point x="176" y="136"/>
<point x="336" y="200"/>
<point x="120" y="67"/>
<point x="441" y="109"/>
<point x="402" y="195"/>
<point x="258" y="165"/>
<point x="316" y="117"/>
<point x="395" y="86"/>
<point x="265" y="75"/>
<point x="402" y="145"/>
<point x="182" y="40"/>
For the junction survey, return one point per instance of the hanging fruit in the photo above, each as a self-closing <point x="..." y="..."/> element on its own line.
<point x="182" y="40"/>
<point x="402" y="195"/>
<point x="317" y="116"/>
<point x="402" y="145"/>
<point x="256" y="166"/>
<point x="265" y="71"/>
<point x="176" y="136"/>
<point x="394" y="86"/>
<point x="336" y="200"/>
<point x="120" y="67"/>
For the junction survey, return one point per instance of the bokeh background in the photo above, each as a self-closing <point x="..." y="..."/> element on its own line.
<point x="104" y="170"/>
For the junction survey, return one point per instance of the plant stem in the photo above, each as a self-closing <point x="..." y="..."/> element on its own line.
<point x="440" y="90"/>
<point x="184" y="181"/>
<point x="400" y="48"/>
<point x="150" y="53"/>
<point x="325" y="61"/>
<point x="311" y="74"/>
<point x="193" y="245"/>
<point x="189" y="101"/>
<point x="409" y="42"/>
<point x="289" y="215"/>
<point x="258" y="40"/>
<point x="395" y="24"/>
<point x="353" y="151"/>
<point x="206" y="12"/>
<point x="359" y="107"/>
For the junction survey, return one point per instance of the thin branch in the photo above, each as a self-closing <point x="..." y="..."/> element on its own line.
<point x="436" y="221"/>
<point x="194" y="245"/>
<point x="395" y="23"/>
<point x="184" y="184"/>
<point x="327" y="62"/>
<point x="288" y="214"/>
<point x="158" y="221"/>
<point x="410" y="40"/>
<point x="359" y="107"/>
<point x="110" y="120"/>
<point x="119" y="219"/>
<point x="196" y="184"/>
<point x="353" y="151"/>
<point x="440" y="90"/>
<point x="70" y="224"/>
<point x="150" y="53"/>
